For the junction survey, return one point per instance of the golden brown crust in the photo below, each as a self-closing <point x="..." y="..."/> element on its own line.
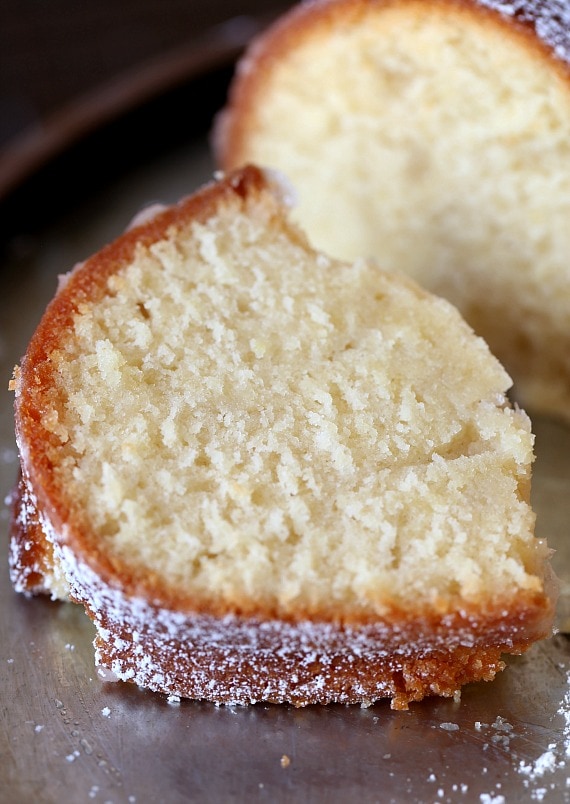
<point x="31" y="555"/>
<point x="345" y="678"/>
<point x="248" y="660"/>
<point x="317" y="19"/>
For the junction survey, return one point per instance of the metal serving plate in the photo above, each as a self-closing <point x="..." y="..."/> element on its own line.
<point x="68" y="737"/>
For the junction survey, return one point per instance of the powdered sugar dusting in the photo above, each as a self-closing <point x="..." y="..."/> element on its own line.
<point x="551" y="20"/>
<point x="556" y="755"/>
<point x="237" y="660"/>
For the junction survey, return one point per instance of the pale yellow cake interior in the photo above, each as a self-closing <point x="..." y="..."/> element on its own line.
<point x="436" y="140"/>
<point x="256" y="422"/>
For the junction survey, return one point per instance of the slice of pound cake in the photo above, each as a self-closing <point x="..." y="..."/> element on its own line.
<point x="434" y="135"/>
<point x="268" y="475"/>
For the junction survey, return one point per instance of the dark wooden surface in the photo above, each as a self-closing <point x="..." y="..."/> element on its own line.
<point x="89" y="89"/>
<point x="53" y="52"/>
